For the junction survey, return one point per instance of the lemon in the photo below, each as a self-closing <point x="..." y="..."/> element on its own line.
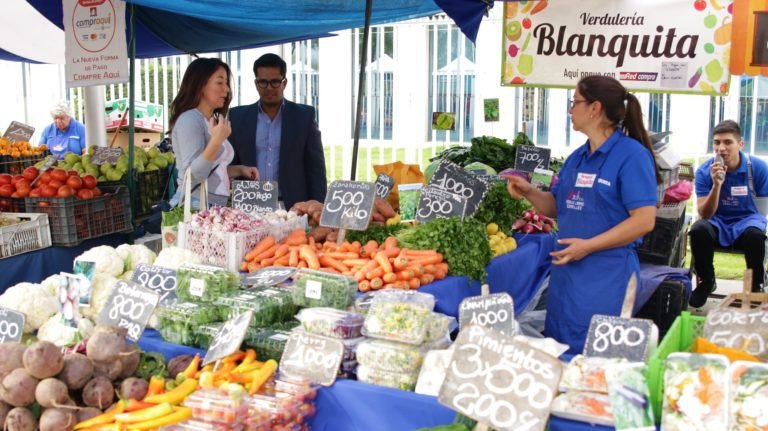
<point x="493" y="240"/>
<point x="492" y="228"/>
<point x="510" y="244"/>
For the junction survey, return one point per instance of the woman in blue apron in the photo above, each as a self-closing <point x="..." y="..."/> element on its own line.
<point x="604" y="201"/>
<point x="65" y="134"/>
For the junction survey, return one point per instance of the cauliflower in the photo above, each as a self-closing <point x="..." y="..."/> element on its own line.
<point x="33" y="300"/>
<point x="174" y="257"/>
<point x="107" y="260"/>
<point x="51" y="284"/>
<point x="102" y="286"/>
<point x="124" y="250"/>
<point x="55" y="331"/>
<point x="140" y="253"/>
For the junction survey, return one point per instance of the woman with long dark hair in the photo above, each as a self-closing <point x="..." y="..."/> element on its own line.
<point x="199" y="131"/>
<point x="605" y="202"/>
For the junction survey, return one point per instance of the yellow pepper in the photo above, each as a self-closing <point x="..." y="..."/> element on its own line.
<point x="103" y="418"/>
<point x="176" y="395"/>
<point x="145" y="414"/>
<point x="261" y="377"/>
<point x="179" y="414"/>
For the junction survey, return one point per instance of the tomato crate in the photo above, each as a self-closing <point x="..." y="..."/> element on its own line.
<point x="12" y="205"/>
<point x="32" y="232"/>
<point x="74" y="220"/>
<point x="16" y="165"/>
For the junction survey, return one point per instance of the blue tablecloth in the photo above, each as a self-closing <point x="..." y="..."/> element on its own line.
<point x="36" y="266"/>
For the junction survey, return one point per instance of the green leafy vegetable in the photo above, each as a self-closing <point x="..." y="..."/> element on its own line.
<point x="202" y="283"/>
<point x="375" y="232"/>
<point x="464" y="245"/>
<point x="151" y="364"/>
<point x="457" y="154"/>
<point x="500" y="208"/>
<point x="494" y="152"/>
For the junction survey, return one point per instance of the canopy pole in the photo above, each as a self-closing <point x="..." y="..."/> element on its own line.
<point x="361" y="86"/>
<point x="131" y="110"/>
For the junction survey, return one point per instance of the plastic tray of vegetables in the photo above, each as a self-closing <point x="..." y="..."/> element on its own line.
<point x="399" y="316"/>
<point x="179" y="321"/>
<point x="331" y="322"/>
<point x="322" y="289"/>
<point x="204" y="283"/>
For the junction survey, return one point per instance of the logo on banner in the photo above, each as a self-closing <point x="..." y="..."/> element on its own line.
<point x="94" y="24"/>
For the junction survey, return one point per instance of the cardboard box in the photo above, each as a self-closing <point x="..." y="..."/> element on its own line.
<point x="147" y="116"/>
<point x="140" y="139"/>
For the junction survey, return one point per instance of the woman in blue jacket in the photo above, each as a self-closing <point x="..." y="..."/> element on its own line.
<point x="604" y="201"/>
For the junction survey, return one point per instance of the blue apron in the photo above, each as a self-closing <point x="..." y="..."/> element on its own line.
<point x="597" y="283"/>
<point x="736" y="210"/>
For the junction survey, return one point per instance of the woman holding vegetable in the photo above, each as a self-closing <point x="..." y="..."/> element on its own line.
<point x="199" y="131"/>
<point x="605" y="201"/>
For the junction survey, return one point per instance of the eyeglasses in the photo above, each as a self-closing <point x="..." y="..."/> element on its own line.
<point x="575" y="101"/>
<point x="274" y="83"/>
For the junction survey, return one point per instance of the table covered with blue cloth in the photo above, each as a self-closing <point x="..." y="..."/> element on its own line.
<point x="36" y="266"/>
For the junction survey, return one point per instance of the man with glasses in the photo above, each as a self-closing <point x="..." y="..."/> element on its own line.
<point x="279" y="137"/>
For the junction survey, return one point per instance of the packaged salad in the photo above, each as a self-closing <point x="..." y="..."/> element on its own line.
<point x="331" y="322"/>
<point x="587" y="407"/>
<point x="204" y="334"/>
<point x="389" y="356"/>
<point x="439" y="326"/>
<point x="695" y="392"/>
<point x="403" y="380"/>
<point x="749" y="396"/>
<point x="178" y="321"/>
<point x="267" y="309"/>
<point x="630" y="397"/>
<point x="268" y="343"/>
<point x="204" y="283"/>
<point x="399" y="316"/>
<point x="587" y="374"/>
<point x="323" y="289"/>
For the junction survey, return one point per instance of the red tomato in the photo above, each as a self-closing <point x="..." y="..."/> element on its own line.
<point x="22" y="183"/>
<point x="59" y="174"/>
<point x="17" y="178"/>
<point x="85" y="194"/>
<point x="75" y="182"/>
<point x="35" y="193"/>
<point x="43" y="204"/>
<point x="16" y="195"/>
<point x="89" y="181"/>
<point x="65" y="192"/>
<point x="48" y="191"/>
<point x="30" y="173"/>
<point x="7" y="190"/>
<point x="5" y="179"/>
<point x="55" y="183"/>
<point x="23" y="189"/>
<point x="44" y="178"/>
<point x="96" y="192"/>
<point x="73" y="173"/>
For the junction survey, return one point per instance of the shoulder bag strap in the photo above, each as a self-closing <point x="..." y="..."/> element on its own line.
<point x="188" y="195"/>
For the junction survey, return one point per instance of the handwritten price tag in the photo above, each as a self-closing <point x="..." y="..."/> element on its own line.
<point x="619" y="337"/>
<point x="130" y="306"/>
<point x="17" y="131"/>
<point x="499" y="381"/>
<point x="384" y="184"/>
<point x="269" y="276"/>
<point x="311" y="356"/>
<point x="255" y="196"/>
<point x="348" y="205"/>
<point x="436" y="203"/>
<point x="161" y="280"/>
<point x="739" y="329"/>
<point x="11" y="325"/>
<point x="229" y="338"/>
<point x="529" y="158"/>
<point x="103" y="155"/>
<point x="452" y="178"/>
<point x="495" y="311"/>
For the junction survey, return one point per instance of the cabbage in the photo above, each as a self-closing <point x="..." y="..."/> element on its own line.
<point x="477" y="167"/>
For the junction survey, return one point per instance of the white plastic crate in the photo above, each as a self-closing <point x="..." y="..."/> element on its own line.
<point x="282" y="229"/>
<point x="33" y="233"/>
<point x="222" y="249"/>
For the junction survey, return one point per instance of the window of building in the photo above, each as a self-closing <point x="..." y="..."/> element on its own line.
<point x="746" y="103"/>
<point x="452" y="82"/>
<point x="659" y="107"/>
<point x="377" y="113"/>
<point x="304" y="73"/>
<point x="535" y="114"/>
<point x="761" y="116"/>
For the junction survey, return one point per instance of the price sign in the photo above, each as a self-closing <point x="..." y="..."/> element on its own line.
<point x="229" y="338"/>
<point x="499" y="381"/>
<point x="618" y="337"/>
<point x="529" y="158"/>
<point x="495" y="311"/>
<point x="18" y="132"/>
<point x="270" y="276"/>
<point x="130" y="306"/>
<point x="255" y="196"/>
<point x="312" y="356"/>
<point x="161" y="280"/>
<point x="436" y="203"/>
<point x="384" y="184"/>
<point x="739" y="329"/>
<point x="490" y="178"/>
<point x="348" y="205"/>
<point x="452" y="178"/>
<point x="103" y="155"/>
<point x="11" y="325"/>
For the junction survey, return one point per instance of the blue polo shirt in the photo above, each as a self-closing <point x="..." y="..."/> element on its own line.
<point x="58" y="142"/>
<point x="736" y="210"/>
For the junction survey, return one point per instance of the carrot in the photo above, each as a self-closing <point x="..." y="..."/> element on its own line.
<point x="355" y="262"/>
<point x="328" y="261"/>
<point x="410" y="252"/>
<point x="418" y="269"/>
<point x="244" y="266"/>
<point x="426" y="279"/>
<point x="440" y="274"/>
<point x="383" y="262"/>
<point x="390" y="241"/>
<point x="430" y="268"/>
<point x="414" y="283"/>
<point x="282" y="250"/>
<point x="268" y="261"/>
<point x="344" y="247"/>
<point x="376" y="272"/>
<point x="253" y="266"/>
<point x="311" y="242"/>
<point x="282" y="261"/>
<point x="308" y="253"/>
<point x="293" y="257"/>
<point x="389" y="277"/>
<point x="405" y="275"/>
<point x="296" y="237"/>
<point x="342" y="255"/>
<point x="330" y="246"/>
<point x="301" y="264"/>
<point x="262" y="246"/>
<point x="396" y="285"/>
<point x="442" y="266"/>
<point x="370" y="248"/>
<point x="392" y="251"/>
<point x="356" y="246"/>
<point x="266" y="253"/>
<point x="437" y="258"/>
<point x="376" y="283"/>
<point x="399" y="263"/>
<point x="364" y="286"/>
<point x="328" y="269"/>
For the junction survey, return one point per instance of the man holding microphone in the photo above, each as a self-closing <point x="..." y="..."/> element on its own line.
<point x="727" y="188"/>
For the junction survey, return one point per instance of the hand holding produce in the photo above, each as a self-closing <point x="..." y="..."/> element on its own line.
<point x="534" y="222"/>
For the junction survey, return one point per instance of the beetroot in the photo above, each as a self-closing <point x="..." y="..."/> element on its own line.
<point x="133" y="388"/>
<point x="11" y="357"/>
<point x="4" y="409"/>
<point x="57" y="420"/>
<point x="20" y="419"/>
<point x="98" y="393"/>
<point x="43" y="359"/>
<point x="77" y="370"/>
<point x="105" y="345"/>
<point x="51" y="392"/>
<point x="130" y="357"/>
<point x="110" y="370"/>
<point x="86" y="413"/>
<point x="19" y="388"/>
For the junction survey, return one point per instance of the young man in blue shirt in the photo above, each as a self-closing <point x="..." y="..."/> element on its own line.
<point x="728" y="211"/>
<point x="65" y="133"/>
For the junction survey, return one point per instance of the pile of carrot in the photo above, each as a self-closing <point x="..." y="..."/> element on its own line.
<point x="375" y="266"/>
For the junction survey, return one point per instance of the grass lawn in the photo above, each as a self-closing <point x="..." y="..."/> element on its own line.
<point x="727" y="266"/>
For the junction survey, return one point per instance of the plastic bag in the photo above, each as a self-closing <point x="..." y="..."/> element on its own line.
<point x="402" y="174"/>
<point x="678" y="192"/>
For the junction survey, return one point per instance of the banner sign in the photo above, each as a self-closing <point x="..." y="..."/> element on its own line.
<point x="95" y="47"/>
<point x="682" y="47"/>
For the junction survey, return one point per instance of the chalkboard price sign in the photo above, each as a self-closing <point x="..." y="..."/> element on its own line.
<point x="499" y="381"/>
<point x="348" y="205"/>
<point x="739" y="329"/>
<point x="452" y="178"/>
<point x="312" y="356"/>
<point x="495" y="311"/>
<point x="17" y="132"/>
<point x="270" y="276"/>
<point x="161" y="280"/>
<point x="130" y="306"/>
<point x="255" y="196"/>
<point x="11" y="325"/>
<point x="529" y="158"/>
<point x="103" y="155"/>
<point x="437" y="203"/>
<point x="384" y="184"/>
<point x="619" y="337"/>
<point x="229" y="338"/>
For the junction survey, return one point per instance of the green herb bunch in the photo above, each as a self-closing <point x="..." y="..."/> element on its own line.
<point x="501" y="208"/>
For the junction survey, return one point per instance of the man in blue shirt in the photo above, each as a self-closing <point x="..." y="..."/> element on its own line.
<point x="65" y="133"/>
<point x="726" y="193"/>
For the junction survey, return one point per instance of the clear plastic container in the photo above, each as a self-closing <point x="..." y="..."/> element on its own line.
<point x="331" y="322"/>
<point x="404" y="381"/>
<point x="281" y="413"/>
<point x="350" y="348"/>
<point x="196" y="425"/>
<point x="204" y="283"/>
<point x="214" y="405"/>
<point x="587" y="374"/>
<point x="179" y="321"/>
<point x="267" y="309"/>
<point x="439" y="326"/>
<point x="749" y="395"/>
<point x="587" y="407"/>
<point x="389" y="356"/>
<point x="686" y="376"/>
<point x="204" y="334"/>
<point x="268" y="343"/>
<point x="300" y="389"/>
<point x="323" y="289"/>
<point x="399" y="316"/>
